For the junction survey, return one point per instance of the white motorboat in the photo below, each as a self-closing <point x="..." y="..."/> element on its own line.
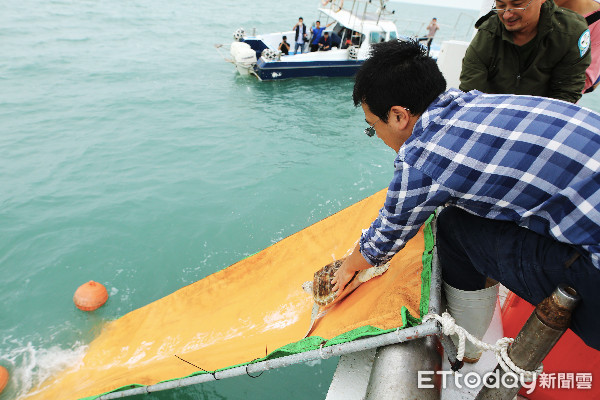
<point x="352" y="30"/>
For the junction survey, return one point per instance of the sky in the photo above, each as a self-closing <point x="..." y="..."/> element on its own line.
<point x="468" y="4"/>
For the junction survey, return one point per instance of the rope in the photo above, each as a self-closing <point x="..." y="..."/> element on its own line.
<point x="213" y="373"/>
<point x="253" y="376"/>
<point x="500" y="349"/>
<point x="323" y="356"/>
<point x="256" y="376"/>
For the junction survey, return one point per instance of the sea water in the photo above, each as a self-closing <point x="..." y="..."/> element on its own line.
<point x="133" y="155"/>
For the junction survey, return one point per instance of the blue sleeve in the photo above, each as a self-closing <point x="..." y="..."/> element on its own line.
<point x="412" y="197"/>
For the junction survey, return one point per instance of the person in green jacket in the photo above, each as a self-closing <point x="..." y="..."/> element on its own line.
<point x="528" y="47"/>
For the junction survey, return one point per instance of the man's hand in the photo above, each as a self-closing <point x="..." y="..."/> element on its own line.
<point x="342" y="277"/>
<point x="353" y="263"/>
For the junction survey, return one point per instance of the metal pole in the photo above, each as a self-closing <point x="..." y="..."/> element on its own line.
<point x="427" y="329"/>
<point x="435" y="301"/>
<point x="396" y="371"/>
<point x="550" y="319"/>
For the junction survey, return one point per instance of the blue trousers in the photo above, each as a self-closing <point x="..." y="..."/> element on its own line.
<point x="471" y="248"/>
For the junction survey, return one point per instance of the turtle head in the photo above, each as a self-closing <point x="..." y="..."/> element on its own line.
<point x="308" y="287"/>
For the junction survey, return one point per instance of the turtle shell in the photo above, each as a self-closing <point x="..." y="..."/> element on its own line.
<point x="322" y="293"/>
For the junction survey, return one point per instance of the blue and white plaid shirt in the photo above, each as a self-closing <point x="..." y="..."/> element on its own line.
<point x="531" y="160"/>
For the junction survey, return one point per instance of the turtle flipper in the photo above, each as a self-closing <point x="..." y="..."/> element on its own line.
<point x="313" y="317"/>
<point x="317" y="315"/>
<point x="372" y="272"/>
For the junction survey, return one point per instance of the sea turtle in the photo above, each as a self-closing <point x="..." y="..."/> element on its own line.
<point x="320" y="287"/>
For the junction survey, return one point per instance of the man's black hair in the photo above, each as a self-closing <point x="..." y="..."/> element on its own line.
<point x="398" y="73"/>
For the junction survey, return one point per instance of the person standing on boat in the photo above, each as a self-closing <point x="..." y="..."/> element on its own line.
<point x="519" y="178"/>
<point x="528" y="47"/>
<point x="301" y="37"/>
<point x="284" y="46"/>
<point x="590" y="10"/>
<point x="432" y="28"/>
<point x="317" y="32"/>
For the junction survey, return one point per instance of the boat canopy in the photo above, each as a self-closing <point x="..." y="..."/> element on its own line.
<point x="364" y="24"/>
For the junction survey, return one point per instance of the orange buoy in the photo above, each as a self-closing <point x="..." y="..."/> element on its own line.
<point x="3" y="378"/>
<point x="90" y="296"/>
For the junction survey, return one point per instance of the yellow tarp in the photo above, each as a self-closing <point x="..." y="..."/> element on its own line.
<point x="235" y="315"/>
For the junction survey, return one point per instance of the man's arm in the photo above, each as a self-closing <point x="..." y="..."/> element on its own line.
<point x="474" y="73"/>
<point x="412" y="197"/>
<point x="568" y="77"/>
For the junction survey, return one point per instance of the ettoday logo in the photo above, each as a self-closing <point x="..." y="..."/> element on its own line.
<point x="493" y="380"/>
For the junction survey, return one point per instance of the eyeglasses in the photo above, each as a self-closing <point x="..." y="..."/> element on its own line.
<point x="370" y="131"/>
<point x="503" y="10"/>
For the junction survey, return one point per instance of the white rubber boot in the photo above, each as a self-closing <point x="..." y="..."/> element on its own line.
<point x="473" y="310"/>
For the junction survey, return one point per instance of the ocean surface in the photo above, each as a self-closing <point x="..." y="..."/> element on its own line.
<point x="133" y="155"/>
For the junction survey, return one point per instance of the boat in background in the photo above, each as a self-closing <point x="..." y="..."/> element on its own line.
<point x="352" y="31"/>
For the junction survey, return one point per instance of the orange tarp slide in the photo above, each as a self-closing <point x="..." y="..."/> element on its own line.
<point x="230" y="317"/>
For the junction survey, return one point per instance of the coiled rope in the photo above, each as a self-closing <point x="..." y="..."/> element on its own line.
<point x="500" y="349"/>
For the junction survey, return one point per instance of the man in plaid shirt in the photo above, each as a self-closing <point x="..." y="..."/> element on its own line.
<point x="519" y="176"/>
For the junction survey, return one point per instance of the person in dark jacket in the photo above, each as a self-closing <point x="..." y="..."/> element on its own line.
<point x="325" y="42"/>
<point x="532" y="48"/>
<point x="284" y="46"/>
<point x="300" y="37"/>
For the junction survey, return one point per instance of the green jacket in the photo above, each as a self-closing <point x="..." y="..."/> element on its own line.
<point x="552" y="64"/>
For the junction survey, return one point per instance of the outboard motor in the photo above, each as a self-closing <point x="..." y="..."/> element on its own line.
<point x="243" y="56"/>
